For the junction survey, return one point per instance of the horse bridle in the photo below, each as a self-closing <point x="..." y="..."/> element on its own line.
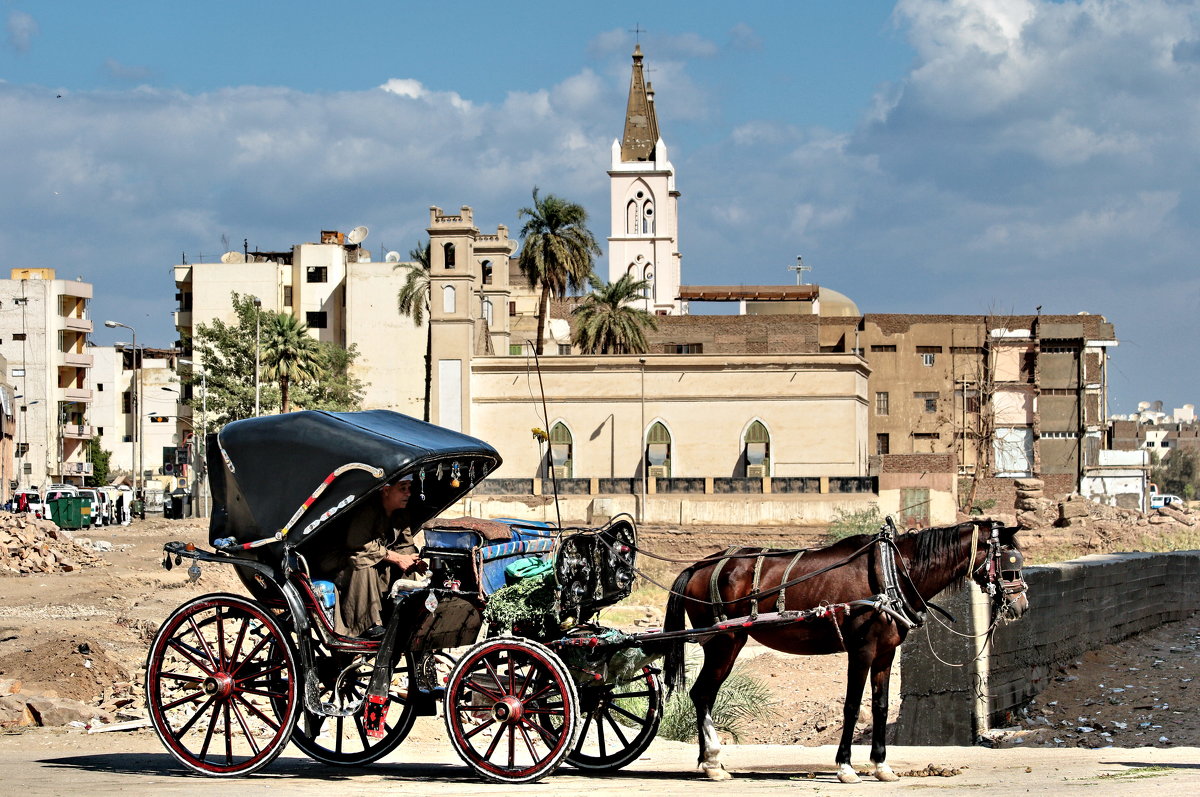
<point x="1001" y="569"/>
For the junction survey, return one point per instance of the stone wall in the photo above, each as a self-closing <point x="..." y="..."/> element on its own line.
<point x="1074" y="607"/>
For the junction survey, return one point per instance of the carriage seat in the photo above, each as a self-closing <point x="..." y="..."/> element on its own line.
<point x="494" y="544"/>
<point x="489" y="531"/>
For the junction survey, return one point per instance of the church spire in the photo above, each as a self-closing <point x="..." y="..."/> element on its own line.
<point x="641" y="124"/>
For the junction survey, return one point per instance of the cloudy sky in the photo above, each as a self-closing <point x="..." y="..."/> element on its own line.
<point x="938" y="156"/>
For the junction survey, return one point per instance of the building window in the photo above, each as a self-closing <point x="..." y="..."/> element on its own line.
<point x="658" y="451"/>
<point x="22" y="449"/>
<point x="126" y="403"/>
<point x="885" y="348"/>
<point x="128" y="438"/>
<point x="561" y="454"/>
<point x="756" y="448"/>
<point x="926" y="435"/>
<point x="287" y="295"/>
<point x="564" y="348"/>
<point x="929" y="401"/>
<point x="316" y="274"/>
<point x="99" y="387"/>
<point x="928" y="360"/>
<point x="928" y="354"/>
<point x="881" y="403"/>
<point x="512" y="308"/>
<point x="448" y="299"/>
<point x="486" y="311"/>
<point x="683" y="348"/>
<point x="19" y="336"/>
<point x="486" y="267"/>
<point x="968" y="400"/>
<point x="883" y="444"/>
<point x="448" y="254"/>
<point x="100" y="431"/>
<point x="516" y="349"/>
<point x="316" y="319"/>
<point x="18" y="372"/>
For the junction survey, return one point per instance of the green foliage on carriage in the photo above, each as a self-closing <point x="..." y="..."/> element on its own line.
<point x="527" y="608"/>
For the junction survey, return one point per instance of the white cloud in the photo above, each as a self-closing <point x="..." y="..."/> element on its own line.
<point x="126" y="72"/>
<point x="21" y="29"/>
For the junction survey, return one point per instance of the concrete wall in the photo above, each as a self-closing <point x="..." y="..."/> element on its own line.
<point x="1075" y="606"/>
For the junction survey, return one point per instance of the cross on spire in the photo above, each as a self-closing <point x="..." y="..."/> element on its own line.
<point x="637" y="32"/>
<point x="799" y="268"/>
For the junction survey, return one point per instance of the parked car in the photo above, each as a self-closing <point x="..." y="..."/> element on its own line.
<point x="30" y="501"/>
<point x="1159" y="500"/>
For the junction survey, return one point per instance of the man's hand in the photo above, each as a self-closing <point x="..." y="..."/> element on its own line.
<point x="407" y="562"/>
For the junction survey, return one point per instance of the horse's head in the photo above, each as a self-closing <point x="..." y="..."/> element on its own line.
<point x="999" y="574"/>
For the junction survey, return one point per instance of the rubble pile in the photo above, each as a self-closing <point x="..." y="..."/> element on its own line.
<point x="66" y="681"/>
<point x="30" y="545"/>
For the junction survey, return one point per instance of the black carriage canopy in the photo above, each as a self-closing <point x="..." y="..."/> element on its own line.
<point x="301" y="470"/>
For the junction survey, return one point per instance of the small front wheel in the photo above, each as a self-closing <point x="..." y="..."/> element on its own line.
<point x="619" y="722"/>
<point x="221" y="685"/>
<point x="511" y="710"/>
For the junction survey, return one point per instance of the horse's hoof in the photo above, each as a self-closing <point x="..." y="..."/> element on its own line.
<point x="716" y="773"/>
<point x="884" y="772"/>
<point x="846" y="774"/>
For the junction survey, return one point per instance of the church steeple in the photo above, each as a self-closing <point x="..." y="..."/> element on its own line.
<point x="641" y="124"/>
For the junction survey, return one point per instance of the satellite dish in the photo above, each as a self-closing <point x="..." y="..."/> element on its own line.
<point x="233" y="257"/>
<point x="357" y="235"/>
<point x="392" y="257"/>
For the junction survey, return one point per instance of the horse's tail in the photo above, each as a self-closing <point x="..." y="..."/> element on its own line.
<point x="673" y="665"/>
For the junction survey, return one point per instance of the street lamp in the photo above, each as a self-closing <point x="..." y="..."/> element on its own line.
<point x="642" y="452"/>
<point x="257" y="346"/>
<point x="201" y="475"/>
<point x="138" y="458"/>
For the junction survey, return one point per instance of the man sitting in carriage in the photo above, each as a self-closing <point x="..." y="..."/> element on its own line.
<point x="377" y="547"/>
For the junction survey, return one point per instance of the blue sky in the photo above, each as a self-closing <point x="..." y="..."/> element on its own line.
<point x="936" y="156"/>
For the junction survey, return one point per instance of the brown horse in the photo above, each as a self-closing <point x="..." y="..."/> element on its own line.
<point x="874" y="588"/>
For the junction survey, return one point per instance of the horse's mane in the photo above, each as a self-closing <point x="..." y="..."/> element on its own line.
<point x="937" y="547"/>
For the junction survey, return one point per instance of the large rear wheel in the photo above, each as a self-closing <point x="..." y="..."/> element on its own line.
<point x="511" y="710"/>
<point x="221" y="685"/>
<point x="343" y="679"/>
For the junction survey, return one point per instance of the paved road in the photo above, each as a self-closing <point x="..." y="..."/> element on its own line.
<point x="59" y="763"/>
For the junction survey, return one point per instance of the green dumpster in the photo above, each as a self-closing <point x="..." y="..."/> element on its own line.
<point x="71" y="512"/>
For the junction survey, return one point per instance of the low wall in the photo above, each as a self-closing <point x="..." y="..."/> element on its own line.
<point x="673" y="509"/>
<point x="1075" y="606"/>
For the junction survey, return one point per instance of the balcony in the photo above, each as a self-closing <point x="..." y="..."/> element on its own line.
<point x="76" y="394"/>
<point x="78" y="431"/>
<point x="75" y="468"/>
<point x="73" y="359"/>
<point x="76" y="324"/>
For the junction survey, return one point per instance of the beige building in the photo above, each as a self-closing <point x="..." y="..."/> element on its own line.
<point x="44" y="327"/>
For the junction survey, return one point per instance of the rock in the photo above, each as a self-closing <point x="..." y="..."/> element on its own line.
<point x="1072" y="509"/>
<point x="1028" y="484"/>
<point x="1030" y="494"/>
<point x="13" y="712"/>
<point x="52" y="712"/>
<point x="1029" y="520"/>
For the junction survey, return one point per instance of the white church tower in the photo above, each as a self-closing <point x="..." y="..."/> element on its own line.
<point x="645" y="203"/>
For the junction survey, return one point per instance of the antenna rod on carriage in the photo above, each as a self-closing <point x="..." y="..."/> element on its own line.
<point x="549" y="445"/>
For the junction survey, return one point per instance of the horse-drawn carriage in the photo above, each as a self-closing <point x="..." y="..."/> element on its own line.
<point x="230" y="680"/>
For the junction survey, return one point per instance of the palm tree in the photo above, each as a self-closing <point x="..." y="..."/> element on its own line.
<point x="413" y="302"/>
<point x="556" y="251"/>
<point x="288" y="354"/>
<point x="607" y="323"/>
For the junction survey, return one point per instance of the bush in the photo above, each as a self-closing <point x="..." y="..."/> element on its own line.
<point x="848" y="524"/>
<point x="742" y="697"/>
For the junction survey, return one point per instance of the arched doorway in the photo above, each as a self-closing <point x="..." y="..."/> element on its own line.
<point x="562" y="451"/>
<point x="756" y="451"/>
<point x="658" y="451"/>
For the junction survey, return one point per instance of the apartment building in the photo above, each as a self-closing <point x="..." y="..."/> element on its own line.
<point x="44" y="327"/>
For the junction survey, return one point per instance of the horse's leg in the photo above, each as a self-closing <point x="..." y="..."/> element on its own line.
<point x="719" y="654"/>
<point x="858" y="665"/>
<point x="881" y="675"/>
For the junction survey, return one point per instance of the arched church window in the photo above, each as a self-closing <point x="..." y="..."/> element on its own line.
<point x="631" y="218"/>
<point x="486" y="311"/>
<point x="486" y="269"/>
<point x="757" y="450"/>
<point x="648" y="218"/>
<point x="562" y="453"/>
<point x="648" y="277"/>
<point x="448" y="299"/>
<point x="448" y="252"/>
<point x="658" y="451"/>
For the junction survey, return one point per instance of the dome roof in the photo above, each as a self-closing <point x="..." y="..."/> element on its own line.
<point x="835" y="304"/>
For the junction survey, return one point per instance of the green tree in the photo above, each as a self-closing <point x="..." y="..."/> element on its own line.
<point x="289" y="354"/>
<point x="1179" y="473"/>
<point x="100" y="467"/>
<point x="557" y="251"/>
<point x="608" y="323"/>
<point x="413" y="302"/>
<point x="338" y="390"/>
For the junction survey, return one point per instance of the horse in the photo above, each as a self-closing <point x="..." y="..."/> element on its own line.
<point x="865" y="593"/>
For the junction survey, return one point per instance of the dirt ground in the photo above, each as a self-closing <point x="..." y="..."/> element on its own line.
<point x="81" y="638"/>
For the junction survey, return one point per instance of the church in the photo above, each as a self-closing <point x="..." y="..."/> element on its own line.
<point x="798" y="395"/>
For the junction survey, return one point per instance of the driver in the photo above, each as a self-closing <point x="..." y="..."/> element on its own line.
<point x="378" y="545"/>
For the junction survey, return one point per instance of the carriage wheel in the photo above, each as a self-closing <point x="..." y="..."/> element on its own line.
<point x="511" y="710"/>
<point x="221" y="685"/>
<point x="619" y="722"/>
<point x="343" y="680"/>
